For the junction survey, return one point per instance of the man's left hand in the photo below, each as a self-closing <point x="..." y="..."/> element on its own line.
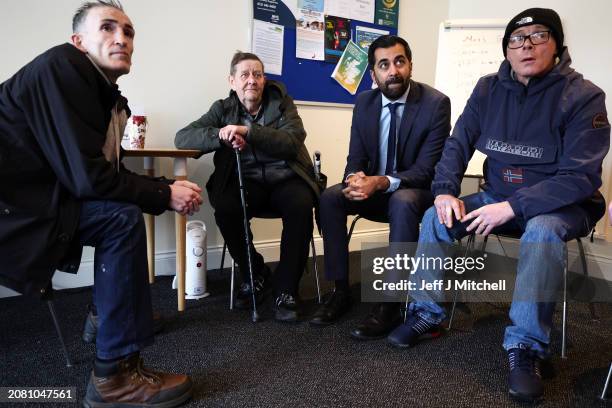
<point x="234" y="136"/>
<point x="488" y="217"/>
<point x="364" y="187"/>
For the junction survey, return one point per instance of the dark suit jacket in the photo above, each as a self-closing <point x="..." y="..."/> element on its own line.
<point x="424" y="127"/>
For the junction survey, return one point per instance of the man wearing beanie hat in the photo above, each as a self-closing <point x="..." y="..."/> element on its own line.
<point x="545" y="131"/>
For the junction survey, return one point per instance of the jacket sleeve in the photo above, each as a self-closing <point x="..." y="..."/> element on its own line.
<point x="286" y="139"/>
<point x="421" y="172"/>
<point x="584" y="146"/>
<point x="203" y="134"/>
<point x="458" y="149"/>
<point x="357" y="159"/>
<point x="64" y="112"/>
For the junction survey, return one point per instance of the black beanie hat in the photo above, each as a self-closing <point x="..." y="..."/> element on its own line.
<point x="547" y="17"/>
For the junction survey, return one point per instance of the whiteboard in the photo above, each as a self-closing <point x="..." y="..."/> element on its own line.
<point x="467" y="50"/>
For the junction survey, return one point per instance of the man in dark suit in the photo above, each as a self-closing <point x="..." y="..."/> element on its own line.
<point x="397" y="136"/>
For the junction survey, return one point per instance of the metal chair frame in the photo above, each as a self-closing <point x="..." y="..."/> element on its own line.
<point x="470" y="244"/>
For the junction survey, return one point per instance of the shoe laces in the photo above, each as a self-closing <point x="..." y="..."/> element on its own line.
<point x="285" y="298"/>
<point x="524" y="360"/>
<point x="140" y="372"/>
<point x="421" y="326"/>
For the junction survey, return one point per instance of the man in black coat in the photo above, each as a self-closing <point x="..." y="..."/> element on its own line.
<point x="397" y="136"/>
<point x="260" y="118"/>
<point x="64" y="187"/>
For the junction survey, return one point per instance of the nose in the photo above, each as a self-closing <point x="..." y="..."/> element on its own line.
<point x="530" y="43"/>
<point x="120" y="38"/>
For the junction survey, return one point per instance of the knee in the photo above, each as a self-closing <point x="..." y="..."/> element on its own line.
<point x="128" y="216"/>
<point x="545" y="228"/>
<point x="331" y="197"/>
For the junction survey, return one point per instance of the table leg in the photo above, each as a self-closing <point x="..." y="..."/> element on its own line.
<point x="180" y="221"/>
<point x="149" y="166"/>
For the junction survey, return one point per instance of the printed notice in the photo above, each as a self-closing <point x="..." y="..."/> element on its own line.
<point x="351" y="67"/>
<point x="268" y="45"/>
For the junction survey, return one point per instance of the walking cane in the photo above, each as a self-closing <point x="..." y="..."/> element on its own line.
<point x="246" y="232"/>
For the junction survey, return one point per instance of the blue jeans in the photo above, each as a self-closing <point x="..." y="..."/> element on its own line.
<point x="540" y="267"/>
<point x="121" y="292"/>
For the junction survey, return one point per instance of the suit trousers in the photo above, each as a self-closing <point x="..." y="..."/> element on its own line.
<point x="402" y="209"/>
<point x="293" y="200"/>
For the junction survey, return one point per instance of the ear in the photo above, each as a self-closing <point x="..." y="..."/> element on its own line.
<point x="372" y="76"/>
<point x="230" y="79"/>
<point x="77" y="40"/>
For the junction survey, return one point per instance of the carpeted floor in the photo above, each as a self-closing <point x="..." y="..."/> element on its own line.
<point x="235" y="363"/>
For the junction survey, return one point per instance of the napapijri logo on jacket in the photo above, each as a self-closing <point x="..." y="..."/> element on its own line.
<point x="516" y="149"/>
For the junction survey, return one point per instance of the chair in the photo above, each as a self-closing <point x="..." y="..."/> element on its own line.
<point x="605" y="388"/>
<point x="272" y="215"/>
<point x="48" y="297"/>
<point x="378" y="218"/>
<point x="470" y="244"/>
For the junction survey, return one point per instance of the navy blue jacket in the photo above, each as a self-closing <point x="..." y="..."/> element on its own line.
<point x="424" y="127"/>
<point x="545" y="142"/>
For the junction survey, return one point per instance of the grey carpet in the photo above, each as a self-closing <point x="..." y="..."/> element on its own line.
<point x="235" y="363"/>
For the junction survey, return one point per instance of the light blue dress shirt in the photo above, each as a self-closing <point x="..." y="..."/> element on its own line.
<point x="383" y="136"/>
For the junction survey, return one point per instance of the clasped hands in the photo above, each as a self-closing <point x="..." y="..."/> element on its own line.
<point x="484" y="218"/>
<point x="360" y="187"/>
<point x="234" y="136"/>
<point x="185" y="197"/>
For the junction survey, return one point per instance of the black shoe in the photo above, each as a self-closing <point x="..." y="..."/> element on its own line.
<point x="335" y="306"/>
<point x="412" y="331"/>
<point x="244" y="299"/>
<point x="379" y="323"/>
<point x="90" y="327"/>
<point x="286" y="308"/>
<point x="525" y="379"/>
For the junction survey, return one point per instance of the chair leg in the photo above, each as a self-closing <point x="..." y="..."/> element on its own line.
<point x="223" y="256"/>
<point x="59" y="332"/>
<point x="315" y="267"/>
<point x="564" y="321"/>
<point x="585" y="271"/>
<point x="233" y="274"/>
<point x="605" y="388"/>
<point x="350" y="233"/>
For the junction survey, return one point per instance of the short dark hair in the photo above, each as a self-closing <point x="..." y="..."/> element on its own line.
<point x="81" y="13"/>
<point x="240" y="56"/>
<point x="387" y="41"/>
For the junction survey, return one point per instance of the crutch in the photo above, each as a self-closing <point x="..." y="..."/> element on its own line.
<point x="246" y="232"/>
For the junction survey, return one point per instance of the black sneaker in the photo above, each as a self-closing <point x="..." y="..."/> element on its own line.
<point x="286" y="308"/>
<point x="525" y="379"/>
<point x="334" y="307"/>
<point x="412" y="331"/>
<point x="244" y="299"/>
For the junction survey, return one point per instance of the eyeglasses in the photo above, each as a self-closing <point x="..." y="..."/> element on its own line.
<point x="517" y="41"/>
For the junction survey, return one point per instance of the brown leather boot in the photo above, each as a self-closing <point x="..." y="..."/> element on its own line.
<point x="126" y="383"/>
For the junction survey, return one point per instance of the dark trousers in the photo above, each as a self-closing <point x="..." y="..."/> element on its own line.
<point x="402" y="209"/>
<point x="121" y="292"/>
<point x="293" y="201"/>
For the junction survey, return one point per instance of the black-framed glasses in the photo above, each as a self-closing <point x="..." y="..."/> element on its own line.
<point x="517" y="41"/>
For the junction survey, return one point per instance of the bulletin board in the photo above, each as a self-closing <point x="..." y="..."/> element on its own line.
<point x="310" y="81"/>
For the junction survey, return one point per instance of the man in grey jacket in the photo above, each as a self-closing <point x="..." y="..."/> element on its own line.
<point x="261" y="120"/>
